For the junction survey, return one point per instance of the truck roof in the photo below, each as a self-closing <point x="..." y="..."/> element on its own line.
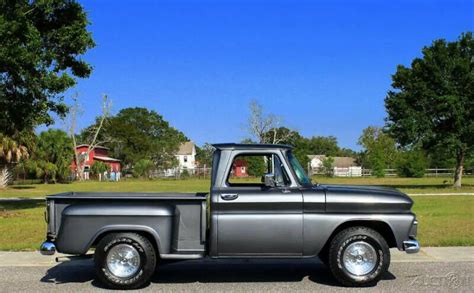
<point x="249" y="146"/>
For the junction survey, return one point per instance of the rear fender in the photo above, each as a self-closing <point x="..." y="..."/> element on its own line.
<point x="83" y="224"/>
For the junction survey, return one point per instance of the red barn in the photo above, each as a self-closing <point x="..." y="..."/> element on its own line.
<point x="239" y="168"/>
<point x="99" y="153"/>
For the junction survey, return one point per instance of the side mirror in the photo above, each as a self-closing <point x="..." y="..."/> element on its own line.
<point x="269" y="180"/>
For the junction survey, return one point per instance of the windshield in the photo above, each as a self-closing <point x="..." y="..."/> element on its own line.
<point x="303" y="179"/>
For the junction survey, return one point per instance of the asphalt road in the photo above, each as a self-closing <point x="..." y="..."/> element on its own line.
<point x="243" y="276"/>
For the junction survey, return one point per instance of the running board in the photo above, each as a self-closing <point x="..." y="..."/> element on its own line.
<point x="181" y="256"/>
<point x="73" y="257"/>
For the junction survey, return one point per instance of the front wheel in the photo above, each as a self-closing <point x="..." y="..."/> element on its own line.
<point x="124" y="260"/>
<point x="358" y="256"/>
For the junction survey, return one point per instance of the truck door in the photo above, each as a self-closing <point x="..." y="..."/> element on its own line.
<point x="254" y="219"/>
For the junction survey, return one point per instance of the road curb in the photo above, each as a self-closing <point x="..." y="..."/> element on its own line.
<point x="440" y="194"/>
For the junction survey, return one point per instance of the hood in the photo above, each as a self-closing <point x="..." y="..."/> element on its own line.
<point x="366" y="199"/>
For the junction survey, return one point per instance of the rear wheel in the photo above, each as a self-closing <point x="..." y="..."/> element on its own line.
<point x="124" y="260"/>
<point x="358" y="256"/>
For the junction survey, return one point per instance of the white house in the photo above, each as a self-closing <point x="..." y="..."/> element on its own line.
<point x="186" y="156"/>
<point x="342" y="166"/>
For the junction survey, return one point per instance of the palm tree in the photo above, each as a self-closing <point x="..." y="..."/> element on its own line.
<point x="10" y="153"/>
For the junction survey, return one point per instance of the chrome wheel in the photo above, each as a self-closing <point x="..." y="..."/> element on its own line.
<point x="123" y="260"/>
<point x="359" y="258"/>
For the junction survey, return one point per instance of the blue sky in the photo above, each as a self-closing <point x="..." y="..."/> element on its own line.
<point x="324" y="66"/>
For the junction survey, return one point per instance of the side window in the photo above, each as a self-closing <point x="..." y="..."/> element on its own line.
<point x="281" y="177"/>
<point x="250" y="170"/>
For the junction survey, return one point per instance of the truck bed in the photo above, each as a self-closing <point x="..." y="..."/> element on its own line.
<point x="176" y="220"/>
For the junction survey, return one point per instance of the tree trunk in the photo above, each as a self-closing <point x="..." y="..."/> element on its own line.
<point x="5" y="176"/>
<point x="459" y="168"/>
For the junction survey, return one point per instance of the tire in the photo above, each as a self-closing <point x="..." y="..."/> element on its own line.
<point x="324" y="257"/>
<point x="125" y="250"/>
<point x="358" y="257"/>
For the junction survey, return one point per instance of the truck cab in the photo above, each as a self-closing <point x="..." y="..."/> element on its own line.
<point x="263" y="216"/>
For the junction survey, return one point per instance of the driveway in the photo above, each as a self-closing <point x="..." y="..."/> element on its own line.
<point x="434" y="269"/>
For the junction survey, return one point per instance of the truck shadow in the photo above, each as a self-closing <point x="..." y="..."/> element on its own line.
<point x="247" y="270"/>
<point x="70" y="272"/>
<point x="211" y="271"/>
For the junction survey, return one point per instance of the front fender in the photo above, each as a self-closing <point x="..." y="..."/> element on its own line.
<point x="318" y="228"/>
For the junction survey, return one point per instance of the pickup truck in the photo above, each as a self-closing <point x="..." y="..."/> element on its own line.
<point x="280" y="215"/>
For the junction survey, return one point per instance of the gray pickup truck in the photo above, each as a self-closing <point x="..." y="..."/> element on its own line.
<point x="280" y="215"/>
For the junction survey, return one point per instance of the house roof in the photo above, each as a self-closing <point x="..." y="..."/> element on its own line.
<point x="186" y="148"/>
<point x="106" y="159"/>
<point x="321" y="157"/>
<point x="96" y="147"/>
<point x="339" y="162"/>
<point x="246" y="146"/>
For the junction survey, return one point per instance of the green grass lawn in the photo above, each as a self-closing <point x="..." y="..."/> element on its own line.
<point x="443" y="221"/>
<point x="22" y="226"/>
<point x="408" y="185"/>
<point x="133" y="185"/>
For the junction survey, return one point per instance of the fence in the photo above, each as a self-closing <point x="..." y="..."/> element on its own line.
<point x="182" y="173"/>
<point x="388" y="172"/>
<point x="430" y="172"/>
<point x="436" y="172"/>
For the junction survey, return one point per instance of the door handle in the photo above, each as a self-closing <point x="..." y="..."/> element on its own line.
<point x="229" y="196"/>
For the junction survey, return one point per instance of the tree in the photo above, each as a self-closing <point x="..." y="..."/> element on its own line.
<point x="93" y="132"/>
<point x="281" y="135"/>
<point x="323" y="145"/>
<point x="204" y="155"/>
<point x="256" y="165"/>
<point x="45" y="170"/>
<point x="54" y="146"/>
<point x="142" y="168"/>
<point x="266" y="128"/>
<point x="318" y="145"/>
<point x="139" y="133"/>
<point x="328" y="164"/>
<point x="380" y="150"/>
<point x="432" y="102"/>
<point x="98" y="168"/>
<point x="10" y="153"/>
<point x="412" y="163"/>
<point x="42" y="42"/>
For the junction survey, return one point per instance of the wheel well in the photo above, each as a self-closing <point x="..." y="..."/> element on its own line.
<point x="379" y="226"/>
<point x="145" y="234"/>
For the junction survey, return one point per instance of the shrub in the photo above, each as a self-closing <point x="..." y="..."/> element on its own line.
<point x="46" y="171"/>
<point x="185" y="174"/>
<point x="142" y="168"/>
<point x="378" y="167"/>
<point x="412" y="164"/>
<point x="98" y="168"/>
<point x="327" y="167"/>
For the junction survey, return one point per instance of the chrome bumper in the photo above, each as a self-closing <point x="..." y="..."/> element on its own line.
<point x="47" y="248"/>
<point x="411" y="246"/>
